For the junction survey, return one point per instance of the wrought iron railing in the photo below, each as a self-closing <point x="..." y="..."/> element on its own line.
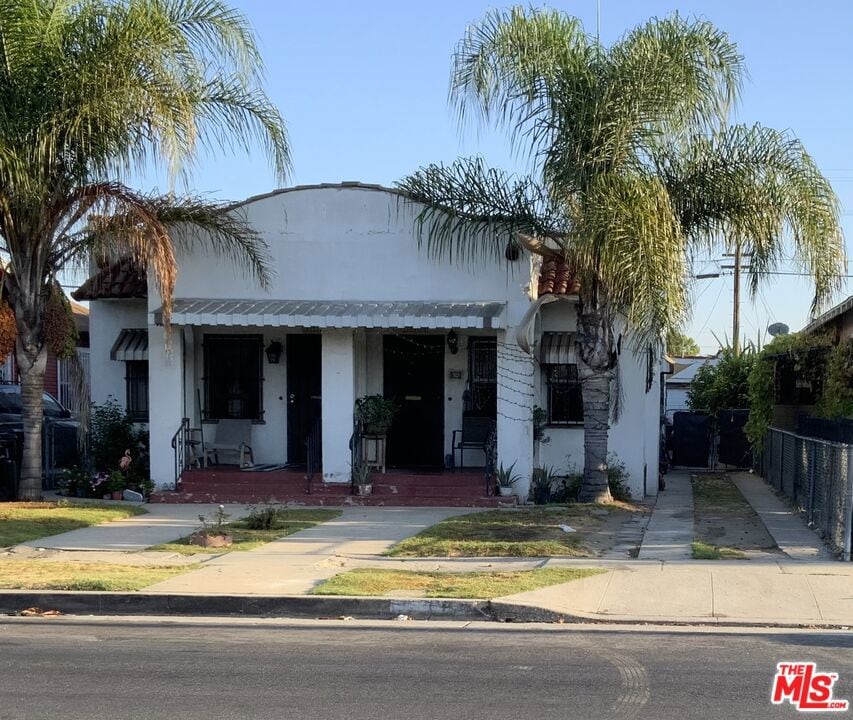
<point x="355" y="449"/>
<point x="314" y="445"/>
<point x="183" y="449"/>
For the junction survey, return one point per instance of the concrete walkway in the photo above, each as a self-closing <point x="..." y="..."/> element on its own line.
<point x="161" y="524"/>
<point x="786" y="592"/>
<point x="669" y="534"/>
<point x="297" y="563"/>
<point x="784" y="525"/>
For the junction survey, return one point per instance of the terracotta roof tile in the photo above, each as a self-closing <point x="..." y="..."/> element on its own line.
<point x="122" y="279"/>
<point x="557" y="278"/>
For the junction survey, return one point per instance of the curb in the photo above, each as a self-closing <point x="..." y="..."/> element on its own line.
<point x="293" y="606"/>
<point x="336" y="607"/>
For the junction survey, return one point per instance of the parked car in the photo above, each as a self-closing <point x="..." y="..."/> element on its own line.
<point x="60" y="447"/>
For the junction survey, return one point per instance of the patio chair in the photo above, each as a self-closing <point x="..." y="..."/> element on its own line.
<point x="232" y="436"/>
<point x="473" y="436"/>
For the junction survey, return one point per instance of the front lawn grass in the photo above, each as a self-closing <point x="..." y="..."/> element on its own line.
<point x="20" y="522"/>
<point x="530" y="532"/>
<point x="55" y="575"/>
<point x="706" y="551"/>
<point x="287" y="522"/>
<point x="481" y="585"/>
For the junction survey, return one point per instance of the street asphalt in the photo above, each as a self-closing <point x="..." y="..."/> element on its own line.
<point x="112" y="669"/>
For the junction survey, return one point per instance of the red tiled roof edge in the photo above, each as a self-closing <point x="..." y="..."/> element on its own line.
<point x="557" y="278"/>
<point x="121" y="280"/>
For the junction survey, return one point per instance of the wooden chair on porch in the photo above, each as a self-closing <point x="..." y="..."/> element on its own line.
<point x="473" y="436"/>
<point x="232" y="436"/>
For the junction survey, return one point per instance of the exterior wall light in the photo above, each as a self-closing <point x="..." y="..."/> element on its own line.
<point x="452" y="342"/>
<point x="273" y="351"/>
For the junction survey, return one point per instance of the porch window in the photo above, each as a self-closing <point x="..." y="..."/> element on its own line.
<point x="483" y="378"/>
<point x="233" y="377"/>
<point x="565" y="403"/>
<point x="136" y="382"/>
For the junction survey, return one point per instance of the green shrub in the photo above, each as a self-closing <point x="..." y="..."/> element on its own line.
<point x="112" y="433"/>
<point x="617" y="479"/>
<point x="266" y="518"/>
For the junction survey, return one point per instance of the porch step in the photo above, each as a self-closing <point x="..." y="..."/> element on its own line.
<point x="390" y="500"/>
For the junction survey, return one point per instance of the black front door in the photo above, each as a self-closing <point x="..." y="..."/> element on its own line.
<point x="303" y="394"/>
<point x="414" y="380"/>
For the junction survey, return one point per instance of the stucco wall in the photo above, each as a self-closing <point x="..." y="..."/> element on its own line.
<point x="344" y="244"/>
<point x="107" y="318"/>
<point x="633" y="438"/>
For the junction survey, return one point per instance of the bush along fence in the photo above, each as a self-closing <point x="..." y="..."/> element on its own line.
<point x="817" y="476"/>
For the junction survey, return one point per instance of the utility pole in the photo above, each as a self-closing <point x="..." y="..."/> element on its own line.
<point x="736" y="308"/>
<point x="738" y="256"/>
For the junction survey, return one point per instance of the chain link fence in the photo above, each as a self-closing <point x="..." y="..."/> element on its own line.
<point x="817" y="476"/>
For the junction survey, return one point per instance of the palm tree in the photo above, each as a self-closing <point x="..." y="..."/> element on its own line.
<point x="630" y="174"/>
<point x="92" y="91"/>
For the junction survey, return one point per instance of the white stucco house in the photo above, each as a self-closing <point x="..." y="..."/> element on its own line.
<point x="358" y="308"/>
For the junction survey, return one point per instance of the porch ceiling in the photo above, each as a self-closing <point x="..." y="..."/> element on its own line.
<point x="335" y="314"/>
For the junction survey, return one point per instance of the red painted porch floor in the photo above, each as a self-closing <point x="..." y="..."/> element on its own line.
<point x="228" y="484"/>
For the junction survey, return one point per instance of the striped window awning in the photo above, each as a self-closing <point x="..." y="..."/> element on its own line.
<point x="557" y="349"/>
<point x="130" y="345"/>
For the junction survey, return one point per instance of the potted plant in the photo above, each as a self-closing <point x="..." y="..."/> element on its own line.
<point x="362" y="478"/>
<point x="213" y="533"/>
<point x="116" y="484"/>
<point x="375" y="414"/>
<point x="541" y="485"/>
<point x="506" y="480"/>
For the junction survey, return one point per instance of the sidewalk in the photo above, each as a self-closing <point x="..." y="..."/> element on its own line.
<point x="295" y="564"/>
<point x="664" y="585"/>
<point x="161" y="524"/>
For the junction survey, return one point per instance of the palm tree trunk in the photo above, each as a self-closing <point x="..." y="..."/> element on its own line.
<point x="595" y="372"/>
<point x="31" y="367"/>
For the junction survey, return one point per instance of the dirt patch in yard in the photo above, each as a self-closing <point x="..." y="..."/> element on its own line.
<point x="724" y="524"/>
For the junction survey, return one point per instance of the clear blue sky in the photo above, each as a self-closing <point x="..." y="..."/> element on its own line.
<point x="363" y="88"/>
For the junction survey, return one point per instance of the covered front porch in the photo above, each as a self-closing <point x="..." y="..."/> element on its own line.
<point x="291" y="372"/>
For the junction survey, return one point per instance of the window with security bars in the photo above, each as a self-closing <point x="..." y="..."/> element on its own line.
<point x="136" y="380"/>
<point x="233" y="377"/>
<point x="483" y="376"/>
<point x="565" y="403"/>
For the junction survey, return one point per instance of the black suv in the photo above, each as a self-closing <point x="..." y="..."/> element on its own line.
<point x="59" y="435"/>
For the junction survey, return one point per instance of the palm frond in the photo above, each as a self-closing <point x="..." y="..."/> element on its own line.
<point x="757" y="188"/>
<point x="471" y="213"/>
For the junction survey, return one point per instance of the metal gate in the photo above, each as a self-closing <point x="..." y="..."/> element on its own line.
<point x="691" y="439"/>
<point x="734" y="449"/>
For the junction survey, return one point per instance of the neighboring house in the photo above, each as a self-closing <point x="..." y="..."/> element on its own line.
<point x="678" y="382"/>
<point x="359" y="308"/>
<point x="60" y="380"/>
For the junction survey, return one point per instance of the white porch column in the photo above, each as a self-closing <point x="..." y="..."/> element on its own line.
<point x="338" y="392"/>
<point x="165" y="401"/>
<point x="515" y="410"/>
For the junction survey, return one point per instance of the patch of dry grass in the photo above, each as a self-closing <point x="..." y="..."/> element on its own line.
<point x="480" y="585"/>
<point x="54" y="575"/>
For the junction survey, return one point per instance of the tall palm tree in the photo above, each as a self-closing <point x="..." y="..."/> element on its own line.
<point x="92" y="91"/>
<point x="631" y="171"/>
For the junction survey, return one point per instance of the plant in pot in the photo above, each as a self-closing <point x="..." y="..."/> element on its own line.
<point x="214" y="531"/>
<point x="506" y="480"/>
<point x="542" y="484"/>
<point x="116" y="484"/>
<point x="375" y="414"/>
<point x="362" y="479"/>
